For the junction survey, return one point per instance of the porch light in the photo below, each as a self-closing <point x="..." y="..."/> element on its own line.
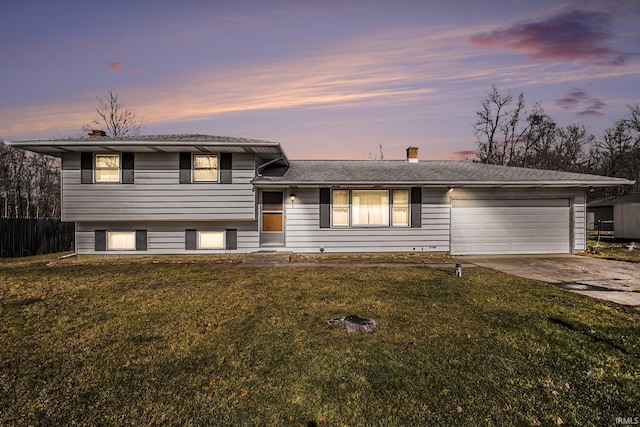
<point x="292" y="197"/>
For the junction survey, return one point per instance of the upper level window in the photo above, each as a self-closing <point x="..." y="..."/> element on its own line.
<point x="205" y="167"/>
<point x="107" y="168"/>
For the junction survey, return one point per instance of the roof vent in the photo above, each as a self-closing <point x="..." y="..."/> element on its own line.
<point x="97" y="134"/>
<point x="412" y="154"/>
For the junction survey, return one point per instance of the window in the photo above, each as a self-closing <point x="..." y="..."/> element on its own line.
<point x="205" y="168"/>
<point x="378" y="208"/>
<point x="370" y="207"/>
<point x="341" y="208"/>
<point x="210" y="239"/>
<point x="121" y="240"/>
<point x="107" y="168"/>
<point x="400" y="208"/>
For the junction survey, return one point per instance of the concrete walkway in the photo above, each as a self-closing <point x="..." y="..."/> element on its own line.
<point x="615" y="281"/>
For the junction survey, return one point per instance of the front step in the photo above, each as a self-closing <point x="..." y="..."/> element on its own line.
<point x="266" y="258"/>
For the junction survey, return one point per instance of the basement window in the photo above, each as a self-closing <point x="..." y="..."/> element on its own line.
<point x="211" y="239"/>
<point x="121" y="240"/>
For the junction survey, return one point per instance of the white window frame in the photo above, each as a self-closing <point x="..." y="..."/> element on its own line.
<point x="340" y="206"/>
<point x="200" y="233"/>
<point x="96" y="169"/>
<point x="194" y="168"/>
<point x="132" y="233"/>
<point x="390" y="207"/>
<point x="395" y="206"/>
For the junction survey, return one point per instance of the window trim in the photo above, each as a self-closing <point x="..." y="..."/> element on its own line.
<point x="194" y="168"/>
<point x="390" y="207"/>
<point x="96" y="168"/>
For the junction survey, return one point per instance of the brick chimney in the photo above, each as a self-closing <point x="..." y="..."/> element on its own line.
<point x="412" y="154"/>
<point x="97" y="134"/>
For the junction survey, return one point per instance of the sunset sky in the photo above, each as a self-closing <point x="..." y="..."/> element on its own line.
<point x="327" y="79"/>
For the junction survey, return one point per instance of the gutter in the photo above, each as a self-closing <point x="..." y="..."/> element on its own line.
<point x="452" y="184"/>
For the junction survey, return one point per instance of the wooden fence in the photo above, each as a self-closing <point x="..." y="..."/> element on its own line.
<point x="31" y="236"/>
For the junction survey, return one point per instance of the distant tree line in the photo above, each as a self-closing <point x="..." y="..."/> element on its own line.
<point x="29" y="184"/>
<point x="512" y="134"/>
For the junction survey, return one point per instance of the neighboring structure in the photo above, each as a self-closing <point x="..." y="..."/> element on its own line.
<point x="620" y="214"/>
<point x="176" y="194"/>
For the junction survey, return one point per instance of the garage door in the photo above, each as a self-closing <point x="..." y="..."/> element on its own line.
<point x="510" y="226"/>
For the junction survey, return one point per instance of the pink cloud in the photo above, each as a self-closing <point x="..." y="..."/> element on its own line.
<point x="580" y="99"/>
<point x="115" y="66"/>
<point x="138" y="70"/>
<point x="463" y="155"/>
<point x="568" y="36"/>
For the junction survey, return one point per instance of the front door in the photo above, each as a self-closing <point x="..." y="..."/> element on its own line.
<point x="272" y="219"/>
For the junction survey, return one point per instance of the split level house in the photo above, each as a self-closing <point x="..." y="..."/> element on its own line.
<point x="198" y="194"/>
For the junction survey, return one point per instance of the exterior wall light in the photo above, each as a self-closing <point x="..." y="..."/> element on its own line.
<point x="292" y="197"/>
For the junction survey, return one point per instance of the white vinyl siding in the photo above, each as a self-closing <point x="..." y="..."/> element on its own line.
<point x="169" y="237"/>
<point x="157" y="194"/>
<point x="303" y="233"/>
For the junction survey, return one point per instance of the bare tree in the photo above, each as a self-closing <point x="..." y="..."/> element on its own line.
<point x="29" y="184"/>
<point x="116" y="120"/>
<point x="379" y="155"/>
<point x="497" y="118"/>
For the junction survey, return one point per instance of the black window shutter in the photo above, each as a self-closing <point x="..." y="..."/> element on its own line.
<point x="100" y="240"/>
<point x="190" y="240"/>
<point x="185" y="168"/>
<point x="232" y="238"/>
<point x="141" y="240"/>
<point x="127" y="168"/>
<point x="416" y="207"/>
<point x="325" y="208"/>
<point x="225" y="168"/>
<point x="86" y="168"/>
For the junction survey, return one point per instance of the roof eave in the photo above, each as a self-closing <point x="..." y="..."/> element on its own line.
<point x="260" y="182"/>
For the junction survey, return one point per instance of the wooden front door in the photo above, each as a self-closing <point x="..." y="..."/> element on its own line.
<point x="272" y="218"/>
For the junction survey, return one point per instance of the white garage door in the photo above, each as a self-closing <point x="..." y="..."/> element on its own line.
<point x="510" y="226"/>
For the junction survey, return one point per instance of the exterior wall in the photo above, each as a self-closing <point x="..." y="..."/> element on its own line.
<point x="627" y="220"/>
<point x="157" y="194"/>
<point x="303" y="233"/>
<point x="576" y="198"/>
<point x="165" y="237"/>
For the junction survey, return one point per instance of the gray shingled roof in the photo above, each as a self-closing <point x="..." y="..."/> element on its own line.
<point x="196" y="143"/>
<point x="430" y="172"/>
<point x="614" y="200"/>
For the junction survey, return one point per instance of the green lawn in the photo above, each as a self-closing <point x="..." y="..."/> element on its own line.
<point x="203" y="342"/>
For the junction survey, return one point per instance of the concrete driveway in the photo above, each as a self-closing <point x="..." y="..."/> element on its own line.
<point x="609" y="280"/>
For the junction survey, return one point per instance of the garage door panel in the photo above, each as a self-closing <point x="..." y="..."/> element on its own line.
<point x="509" y="226"/>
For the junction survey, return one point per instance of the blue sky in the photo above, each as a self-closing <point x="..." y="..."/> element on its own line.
<point x="328" y="79"/>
